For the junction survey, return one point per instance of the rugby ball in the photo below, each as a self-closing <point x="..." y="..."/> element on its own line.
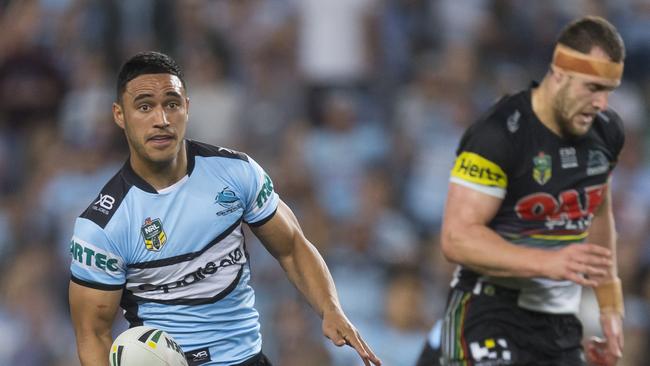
<point x="140" y="346"/>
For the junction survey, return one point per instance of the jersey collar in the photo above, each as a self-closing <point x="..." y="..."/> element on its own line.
<point x="134" y="179"/>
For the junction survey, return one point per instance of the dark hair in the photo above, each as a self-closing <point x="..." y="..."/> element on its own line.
<point x="585" y="33"/>
<point x="149" y="62"/>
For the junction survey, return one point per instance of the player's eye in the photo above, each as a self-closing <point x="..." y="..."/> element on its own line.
<point x="173" y="105"/>
<point x="144" y="107"/>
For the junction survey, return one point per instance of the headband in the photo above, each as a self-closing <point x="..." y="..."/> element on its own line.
<point x="571" y="60"/>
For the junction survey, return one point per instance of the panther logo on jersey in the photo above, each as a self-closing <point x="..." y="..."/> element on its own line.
<point x="597" y="163"/>
<point x="153" y="233"/>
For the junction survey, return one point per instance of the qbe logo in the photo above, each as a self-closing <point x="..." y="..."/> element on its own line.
<point x="104" y="203"/>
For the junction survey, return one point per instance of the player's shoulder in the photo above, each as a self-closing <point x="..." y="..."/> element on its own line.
<point x="609" y="126"/>
<point x="216" y="162"/>
<point x="609" y="121"/>
<point x="202" y="149"/>
<point x="505" y="120"/>
<point x="109" y="199"/>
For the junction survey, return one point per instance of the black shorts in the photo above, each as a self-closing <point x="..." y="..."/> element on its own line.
<point x="489" y="329"/>
<point x="257" y="360"/>
<point x="429" y="356"/>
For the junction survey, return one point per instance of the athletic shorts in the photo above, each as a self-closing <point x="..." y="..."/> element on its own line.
<point x="257" y="360"/>
<point x="429" y="356"/>
<point x="490" y="329"/>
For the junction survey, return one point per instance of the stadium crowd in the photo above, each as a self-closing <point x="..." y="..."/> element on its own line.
<point x="355" y="109"/>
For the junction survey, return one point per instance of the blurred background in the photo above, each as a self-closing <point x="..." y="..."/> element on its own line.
<point x="354" y="107"/>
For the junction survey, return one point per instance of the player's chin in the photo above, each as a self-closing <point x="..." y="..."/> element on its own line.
<point x="580" y="127"/>
<point x="162" y="157"/>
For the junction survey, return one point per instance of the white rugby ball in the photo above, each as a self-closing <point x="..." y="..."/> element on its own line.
<point x="140" y="346"/>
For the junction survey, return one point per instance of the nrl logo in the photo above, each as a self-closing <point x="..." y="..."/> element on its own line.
<point x="153" y="233"/>
<point x="542" y="168"/>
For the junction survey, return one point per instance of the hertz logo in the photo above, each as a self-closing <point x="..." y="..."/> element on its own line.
<point x="474" y="168"/>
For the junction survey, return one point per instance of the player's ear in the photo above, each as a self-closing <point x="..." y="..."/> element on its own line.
<point x="118" y="115"/>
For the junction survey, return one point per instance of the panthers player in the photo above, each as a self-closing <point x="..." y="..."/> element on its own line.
<point x="529" y="216"/>
<point x="164" y="238"/>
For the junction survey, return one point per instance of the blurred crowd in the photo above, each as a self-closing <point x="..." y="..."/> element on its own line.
<point x="353" y="107"/>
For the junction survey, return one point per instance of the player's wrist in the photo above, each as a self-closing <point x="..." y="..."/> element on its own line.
<point x="610" y="297"/>
<point x="330" y="307"/>
<point x="539" y="268"/>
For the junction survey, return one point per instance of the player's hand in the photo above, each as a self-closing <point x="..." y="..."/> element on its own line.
<point x="585" y="264"/>
<point x="608" y="351"/>
<point x="597" y="353"/>
<point x="340" y="331"/>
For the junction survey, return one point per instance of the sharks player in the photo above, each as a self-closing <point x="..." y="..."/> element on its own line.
<point x="164" y="239"/>
<point x="529" y="216"/>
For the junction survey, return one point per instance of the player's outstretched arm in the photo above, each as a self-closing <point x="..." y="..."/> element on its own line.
<point x="306" y="269"/>
<point x="467" y="240"/>
<point x="93" y="312"/>
<point x="610" y="292"/>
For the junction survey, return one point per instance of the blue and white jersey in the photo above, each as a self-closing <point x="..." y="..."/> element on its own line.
<point x="179" y="254"/>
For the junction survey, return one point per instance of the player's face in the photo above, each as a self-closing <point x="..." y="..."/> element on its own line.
<point x="153" y="114"/>
<point x="579" y="98"/>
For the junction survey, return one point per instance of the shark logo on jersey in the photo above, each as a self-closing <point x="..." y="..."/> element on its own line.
<point x="153" y="233"/>
<point x="542" y="168"/>
<point x="228" y="199"/>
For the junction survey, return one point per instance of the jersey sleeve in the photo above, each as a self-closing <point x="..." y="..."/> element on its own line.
<point x="483" y="159"/>
<point x="260" y="199"/>
<point x="95" y="261"/>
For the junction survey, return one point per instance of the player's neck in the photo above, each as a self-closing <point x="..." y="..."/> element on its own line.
<point x="161" y="175"/>
<point x="541" y="98"/>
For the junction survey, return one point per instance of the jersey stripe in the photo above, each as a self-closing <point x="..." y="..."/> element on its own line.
<point x="492" y="191"/>
<point x="454" y="348"/>
<point x="187" y="256"/>
<point x="130" y="297"/>
<point x="96" y="286"/>
<point x="264" y="220"/>
<point x="560" y="237"/>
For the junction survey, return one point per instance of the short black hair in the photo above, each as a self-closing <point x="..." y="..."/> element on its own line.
<point x="585" y="33"/>
<point x="149" y="62"/>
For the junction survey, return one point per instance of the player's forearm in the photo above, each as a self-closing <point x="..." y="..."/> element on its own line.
<point x="93" y="349"/>
<point x="483" y="250"/>
<point x="603" y="233"/>
<point x="307" y="270"/>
